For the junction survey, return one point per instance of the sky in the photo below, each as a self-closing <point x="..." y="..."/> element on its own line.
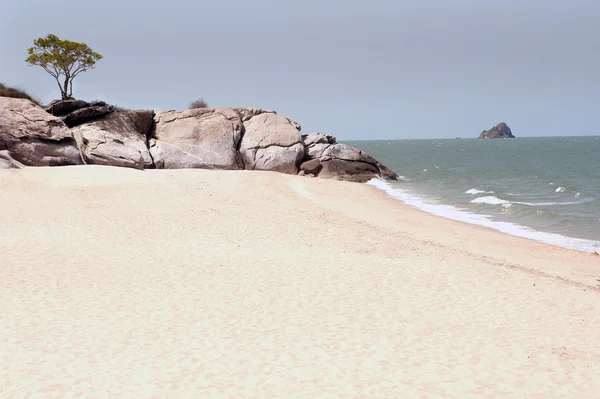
<point x="356" y="69"/>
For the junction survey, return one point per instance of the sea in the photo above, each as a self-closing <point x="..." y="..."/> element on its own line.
<point x="545" y="189"/>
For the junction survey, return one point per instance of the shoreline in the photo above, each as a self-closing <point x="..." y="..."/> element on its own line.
<point x="492" y="242"/>
<point x="201" y="283"/>
<point x="482" y="220"/>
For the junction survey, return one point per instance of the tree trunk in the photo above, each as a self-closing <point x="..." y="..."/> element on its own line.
<point x="65" y="88"/>
<point x="71" y="87"/>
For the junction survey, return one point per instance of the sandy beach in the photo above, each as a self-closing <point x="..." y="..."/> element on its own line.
<point x="118" y="283"/>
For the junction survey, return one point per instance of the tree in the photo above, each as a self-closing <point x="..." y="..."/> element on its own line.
<point x="62" y="59"/>
<point x="198" y="104"/>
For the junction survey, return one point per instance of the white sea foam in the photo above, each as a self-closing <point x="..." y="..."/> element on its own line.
<point x="474" y="191"/>
<point x="451" y="212"/>
<point x="560" y="190"/>
<point x="490" y="200"/>
<point x="549" y="203"/>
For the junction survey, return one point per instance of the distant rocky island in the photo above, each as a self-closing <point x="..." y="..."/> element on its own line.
<point x="500" y="131"/>
<point x="76" y="132"/>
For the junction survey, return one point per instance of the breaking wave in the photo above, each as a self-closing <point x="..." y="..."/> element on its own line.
<point x="454" y="213"/>
<point x="474" y="191"/>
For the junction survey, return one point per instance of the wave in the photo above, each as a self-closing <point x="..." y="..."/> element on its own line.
<point x="451" y="212"/>
<point x="551" y="203"/>
<point x="474" y="191"/>
<point x="560" y="190"/>
<point x="491" y="200"/>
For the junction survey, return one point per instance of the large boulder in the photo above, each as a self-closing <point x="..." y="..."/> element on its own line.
<point x="119" y="139"/>
<point x="33" y="137"/>
<point x="205" y="138"/>
<point x="271" y="142"/>
<point x="64" y="107"/>
<point x="500" y="131"/>
<point x="87" y="114"/>
<point x="326" y="158"/>
<point x="311" y="167"/>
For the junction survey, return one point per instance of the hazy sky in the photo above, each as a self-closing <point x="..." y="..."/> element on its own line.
<point x="357" y="69"/>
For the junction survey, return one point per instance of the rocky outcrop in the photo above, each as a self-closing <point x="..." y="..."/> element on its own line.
<point x="326" y="158"/>
<point x="75" y="112"/>
<point x="500" y="131"/>
<point x="119" y="139"/>
<point x="271" y="142"/>
<point x="64" y="107"/>
<point x="204" y="138"/>
<point x="87" y="114"/>
<point x="33" y="137"/>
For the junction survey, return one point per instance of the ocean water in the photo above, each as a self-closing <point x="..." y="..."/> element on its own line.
<point x="546" y="189"/>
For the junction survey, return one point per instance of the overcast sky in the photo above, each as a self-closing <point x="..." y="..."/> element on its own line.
<point x="357" y="69"/>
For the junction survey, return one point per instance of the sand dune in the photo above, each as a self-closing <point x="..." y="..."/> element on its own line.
<point x="202" y="284"/>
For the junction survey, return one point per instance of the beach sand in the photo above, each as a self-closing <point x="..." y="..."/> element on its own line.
<point x="118" y="283"/>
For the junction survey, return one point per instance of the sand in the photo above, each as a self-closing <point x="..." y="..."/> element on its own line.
<point x="117" y="283"/>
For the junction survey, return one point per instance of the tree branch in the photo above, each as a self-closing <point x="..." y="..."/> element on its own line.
<point x="59" y="86"/>
<point x="50" y="72"/>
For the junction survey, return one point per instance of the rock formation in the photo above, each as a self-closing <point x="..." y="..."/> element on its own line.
<point x="500" y="131"/>
<point x="64" y="107"/>
<point x="87" y="114"/>
<point x="75" y="112"/>
<point x="75" y="132"/>
<point x="31" y="136"/>
<point x="328" y="159"/>
<point x="271" y="142"/>
<point x="205" y="138"/>
<point x="119" y="139"/>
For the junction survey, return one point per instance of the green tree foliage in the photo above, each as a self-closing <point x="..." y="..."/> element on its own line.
<point x="62" y="59"/>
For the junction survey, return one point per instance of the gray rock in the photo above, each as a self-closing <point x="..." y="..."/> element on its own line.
<point x="316" y="150"/>
<point x="279" y="159"/>
<point x="119" y="139"/>
<point x="87" y="114"/>
<point x="271" y="142"/>
<point x="63" y="107"/>
<point x="297" y="125"/>
<point x="354" y="171"/>
<point x="204" y="138"/>
<point x="500" y="131"/>
<point x="317" y="138"/>
<point x="326" y="158"/>
<point x="7" y="161"/>
<point x="248" y="113"/>
<point x="312" y="166"/>
<point x="33" y="137"/>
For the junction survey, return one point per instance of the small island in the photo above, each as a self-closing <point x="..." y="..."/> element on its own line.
<point x="500" y="131"/>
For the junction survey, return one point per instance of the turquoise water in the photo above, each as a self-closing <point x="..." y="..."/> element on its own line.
<point x="547" y="189"/>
